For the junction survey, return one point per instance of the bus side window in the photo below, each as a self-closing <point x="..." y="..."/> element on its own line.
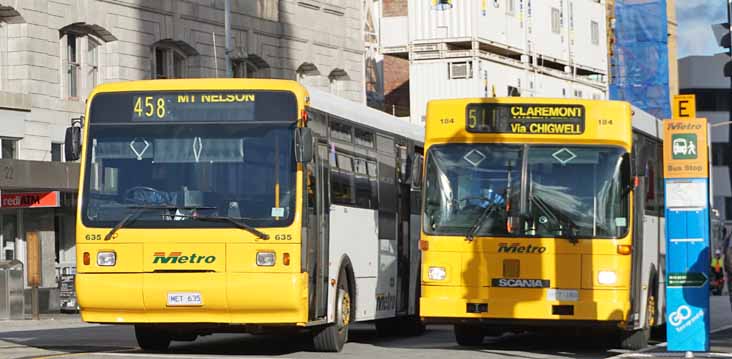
<point x="341" y="179"/>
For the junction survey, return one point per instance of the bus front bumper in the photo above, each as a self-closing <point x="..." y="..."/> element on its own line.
<point x="445" y="304"/>
<point x="228" y="298"/>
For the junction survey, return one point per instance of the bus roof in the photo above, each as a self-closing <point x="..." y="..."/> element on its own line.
<point x="363" y="115"/>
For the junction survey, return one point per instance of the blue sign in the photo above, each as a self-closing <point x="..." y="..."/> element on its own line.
<point x="687" y="264"/>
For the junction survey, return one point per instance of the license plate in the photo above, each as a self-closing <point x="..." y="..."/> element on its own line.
<point x="185" y="299"/>
<point x="566" y="295"/>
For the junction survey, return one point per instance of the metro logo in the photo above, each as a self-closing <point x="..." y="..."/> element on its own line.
<point x="178" y="258"/>
<point x="517" y="248"/>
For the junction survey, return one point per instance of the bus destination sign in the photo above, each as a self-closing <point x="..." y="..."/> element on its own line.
<point x="535" y="119"/>
<point x="194" y="106"/>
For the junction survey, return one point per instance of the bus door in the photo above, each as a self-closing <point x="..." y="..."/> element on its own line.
<point x="386" y="284"/>
<point x="403" y="229"/>
<point x="318" y="195"/>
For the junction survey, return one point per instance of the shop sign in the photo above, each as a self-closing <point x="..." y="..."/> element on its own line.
<point x="30" y="200"/>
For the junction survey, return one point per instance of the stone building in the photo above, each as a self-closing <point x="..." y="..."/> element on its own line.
<point x="54" y="52"/>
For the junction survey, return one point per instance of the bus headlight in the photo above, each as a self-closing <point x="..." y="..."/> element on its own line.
<point x="607" y="277"/>
<point x="437" y="273"/>
<point x="265" y="259"/>
<point x="106" y="259"/>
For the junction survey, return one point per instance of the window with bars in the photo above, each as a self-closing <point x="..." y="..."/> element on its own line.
<point x="510" y="7"/>
<point x="556" y="22"/>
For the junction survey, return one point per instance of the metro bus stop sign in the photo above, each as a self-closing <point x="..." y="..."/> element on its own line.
<point x="686" y="172"/>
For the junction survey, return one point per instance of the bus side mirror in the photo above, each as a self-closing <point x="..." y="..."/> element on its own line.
<point x="627" y="173"/>
<point x="72" y="141"/>
<point x="416" y="175"/>
<point x="303" y="145"/>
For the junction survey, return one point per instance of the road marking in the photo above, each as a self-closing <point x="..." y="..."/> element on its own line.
<point x="75" y="354"/>
<point x="167" y="356"/>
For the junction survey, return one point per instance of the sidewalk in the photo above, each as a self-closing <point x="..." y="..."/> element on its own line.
<point x="720" y="347"/>
<point x="47" y="321"/>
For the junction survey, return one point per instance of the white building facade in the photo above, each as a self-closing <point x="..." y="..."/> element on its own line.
<point x="54" y="52"/>
<point x="485" y="48"/>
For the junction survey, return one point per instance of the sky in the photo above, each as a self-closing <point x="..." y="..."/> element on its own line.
<point x="695" y="17"/>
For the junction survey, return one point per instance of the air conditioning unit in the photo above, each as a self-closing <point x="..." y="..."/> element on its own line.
<point x="459" y="70"/>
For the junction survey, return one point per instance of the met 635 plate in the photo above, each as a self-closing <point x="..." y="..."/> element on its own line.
<point x="190" y="299"/>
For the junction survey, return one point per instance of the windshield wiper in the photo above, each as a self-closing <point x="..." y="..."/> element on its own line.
<point x="131" y="217"/>
<point x="470" y="234"/>
<point x="139" y="210"/>
<point x="237" y="222"/>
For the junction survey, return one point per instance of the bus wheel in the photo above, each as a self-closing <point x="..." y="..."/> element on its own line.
<point x="332" y="337"/>
<point x="638" y="339"/>
<point x="468" y="335"/>
<point x="150" y="338"/>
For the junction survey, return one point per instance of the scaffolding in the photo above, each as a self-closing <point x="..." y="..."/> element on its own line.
<point x="640" y="56"/>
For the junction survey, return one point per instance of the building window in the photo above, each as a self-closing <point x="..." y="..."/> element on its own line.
<point x="510" y="7"/>
<point x="710" y="99"/>
<point x="513" y="91"/>
<point x="81" y="62"/>
<point x="56" y="152"/>
<point x="556" y="25"/>
<point x="92" y="61"/>
<point x="9" y="148"/>
<point x="169" y="63"/>
<point x="595" y="32"/>
<point x="72" y="57"/>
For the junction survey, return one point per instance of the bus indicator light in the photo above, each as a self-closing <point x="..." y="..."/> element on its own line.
<point x="87" y="258"/>
<point x="286" y="259"/>
<point x="624" y="249"/>
<point x="424" y="245"/>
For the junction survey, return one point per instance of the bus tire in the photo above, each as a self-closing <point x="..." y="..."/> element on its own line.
<point x="635" y="339"/>
<point x="638" y="339"/>
<point x="150" y="338"/>
<point x="332" y="337"/>
<point x="468" y="335"/>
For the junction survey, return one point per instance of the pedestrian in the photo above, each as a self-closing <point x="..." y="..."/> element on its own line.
<point x="727" y="252"/>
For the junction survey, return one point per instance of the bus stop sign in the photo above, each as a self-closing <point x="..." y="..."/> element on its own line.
<point x="686" y="173"/>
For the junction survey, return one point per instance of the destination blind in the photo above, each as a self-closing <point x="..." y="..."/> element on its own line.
<point x="535" y="119"/>
<point x="194" y="106"/>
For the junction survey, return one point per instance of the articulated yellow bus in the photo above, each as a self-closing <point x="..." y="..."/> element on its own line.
<point x="230" y="205"/>
<point x="542" y="213"/>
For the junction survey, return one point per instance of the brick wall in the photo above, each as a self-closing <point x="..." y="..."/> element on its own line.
<point x="395" y="8"/>
<point x="396" y="85"/>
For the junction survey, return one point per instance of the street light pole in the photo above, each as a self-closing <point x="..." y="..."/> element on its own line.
<point x="227" y="40"/>
<point x="729" y="27"/>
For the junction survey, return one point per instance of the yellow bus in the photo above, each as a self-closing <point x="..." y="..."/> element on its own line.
<point x="231" y="205"/>
<point x="542" y="213"/>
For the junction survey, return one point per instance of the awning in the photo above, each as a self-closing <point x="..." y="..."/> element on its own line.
<point x="21" y="175"/>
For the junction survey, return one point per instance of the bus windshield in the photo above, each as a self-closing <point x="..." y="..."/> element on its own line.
<point x="184" y="170"/>
<point x="535" y="191"/>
